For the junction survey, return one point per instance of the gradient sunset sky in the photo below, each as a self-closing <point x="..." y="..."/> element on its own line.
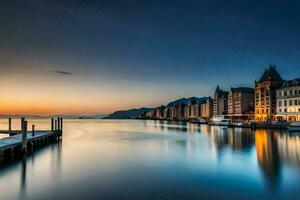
<point x="94" y="57"/>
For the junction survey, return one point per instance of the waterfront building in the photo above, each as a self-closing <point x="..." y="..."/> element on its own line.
<point x="220" y="102"/>
<point x="150" y="114"/>
<point x="206" y="109"/>
<point x="166" y="113"/>
<point x="173" y="112"/>
<point x="288" y="101"/>
<point x="179" y="111"/>
<point x="241" y="103"/>
<point x="159" y="112"/>
<point x="193" y="108"/>
<point x="265" y="94"/>
<point x="186" y="112"/>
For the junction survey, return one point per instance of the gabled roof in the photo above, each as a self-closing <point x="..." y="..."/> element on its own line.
<point x="270" y="74"/>
<point x="220" y="92"/>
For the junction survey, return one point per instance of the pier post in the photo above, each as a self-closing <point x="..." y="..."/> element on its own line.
<point x="22" y="123"/>
<point x="58" y="123"/>
<point x="55" y="127"/>
<point x="33" y="130"/>
<point x="52" y="124"/>
<point x="24" y="136"/>
<point x="9" y="125"/>
<point x="61" y="123"/>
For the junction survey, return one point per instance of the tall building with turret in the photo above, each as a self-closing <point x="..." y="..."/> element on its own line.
<point x="265" y="94"/>
<point x="220" y="102"/>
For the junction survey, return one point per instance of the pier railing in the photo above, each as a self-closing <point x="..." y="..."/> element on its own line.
<point x="22" y="141"/>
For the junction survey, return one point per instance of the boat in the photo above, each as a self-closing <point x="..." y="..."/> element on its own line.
<point x="280" y="123"/>
<point x="221" y="121"/>
<point x="238" y="124"/>
<point x="198" y="121"/>
<point x="202" y="121"/>
<point x="193" y="121"/>
<point x="294" y="127"/>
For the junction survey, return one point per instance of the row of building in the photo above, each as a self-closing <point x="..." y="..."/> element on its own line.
<point x="183" y="110"/>
<point x="272" y="98"/>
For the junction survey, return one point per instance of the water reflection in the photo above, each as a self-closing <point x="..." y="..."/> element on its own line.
<point x="23" y="177"/>
<point x="177" y="126"/>
<point x="274" y="148"/>
<point x="27" y="165"/>
<point x="235" y="138"/>
<point x="267" y="156"/>
<point x="171" y="160"/>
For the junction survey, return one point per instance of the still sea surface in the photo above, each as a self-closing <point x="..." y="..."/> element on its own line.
<point x="134" y="159"/>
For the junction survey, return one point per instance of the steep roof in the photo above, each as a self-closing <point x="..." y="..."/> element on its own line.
<point x="220" y="92"/>
<point x="270" y="74"/>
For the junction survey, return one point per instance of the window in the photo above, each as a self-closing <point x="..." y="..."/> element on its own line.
<point x="285" y="93"/>
<point x="280" y="110"/>
<point x="285" y="103"/>
<point x="279" y="103"/>
<point x="291" y="102"/>
<point x="285" y="110"/>
<point x="296" y="102"/>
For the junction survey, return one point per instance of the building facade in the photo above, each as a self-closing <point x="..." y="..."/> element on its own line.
<point x="265" y="94"/>
<point x="206" y="109"/>
<point x="241" y="103"/>
<point x="220" y="102"/>
<point x="288" y="101"/>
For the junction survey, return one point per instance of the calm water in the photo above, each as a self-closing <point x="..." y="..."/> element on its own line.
<point x="111" y="159"/>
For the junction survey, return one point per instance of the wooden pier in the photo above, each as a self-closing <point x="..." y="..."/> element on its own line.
<point x="21" y="142"/>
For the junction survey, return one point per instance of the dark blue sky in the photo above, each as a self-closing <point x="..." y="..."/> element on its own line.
<point x="150" y="51"/>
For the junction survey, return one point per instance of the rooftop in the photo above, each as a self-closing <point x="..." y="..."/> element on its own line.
<point x="291" y="83"/>
<point x="270" y="74"/>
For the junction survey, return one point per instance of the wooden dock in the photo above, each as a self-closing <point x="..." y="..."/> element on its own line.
<point x="21" y="142"/>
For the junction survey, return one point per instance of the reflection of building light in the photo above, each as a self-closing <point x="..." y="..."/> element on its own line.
<point x="261" y="141"/>
<point x="267" y="155"/>
<point x="289" y="149"/>
<point x="192" y="128"/>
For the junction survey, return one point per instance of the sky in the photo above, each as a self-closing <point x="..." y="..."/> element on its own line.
<point x="93" y="57"/>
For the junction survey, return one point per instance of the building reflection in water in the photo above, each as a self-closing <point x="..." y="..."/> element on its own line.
<point x="273" y="148"/>
<point x="176" y="126"/>
<point x="267" y="155"/>
<point x="235" y="138"/>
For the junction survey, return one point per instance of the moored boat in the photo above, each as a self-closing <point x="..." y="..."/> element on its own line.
<point x="294" y="127"/>
<point x="221" y="121"/>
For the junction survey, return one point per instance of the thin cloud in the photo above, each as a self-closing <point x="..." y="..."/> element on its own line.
<point x="66" y="73"/>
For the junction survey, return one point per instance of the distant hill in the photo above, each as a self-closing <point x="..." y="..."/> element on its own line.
<point x="128" y="114"/>
<point x="187" y="100"/>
